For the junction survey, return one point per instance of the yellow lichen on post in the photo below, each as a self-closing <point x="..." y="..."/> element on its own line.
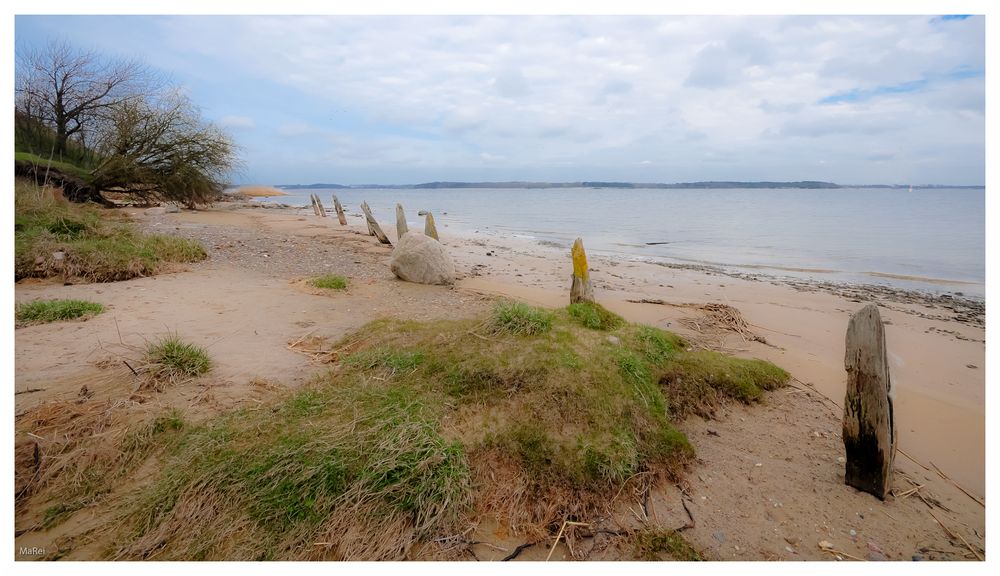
<point x="429" y="228"/>
<point x="580" y="267"/>
<point x="581" y="289"/>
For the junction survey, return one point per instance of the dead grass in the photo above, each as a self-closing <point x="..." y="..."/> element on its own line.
<point x="420" y="428"/>
<point x="72" y="453"/>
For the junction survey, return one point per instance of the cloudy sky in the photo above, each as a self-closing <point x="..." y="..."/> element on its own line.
<point x="865" y="99"/>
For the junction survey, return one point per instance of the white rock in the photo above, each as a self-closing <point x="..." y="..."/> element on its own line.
<point x="421" y="259"/>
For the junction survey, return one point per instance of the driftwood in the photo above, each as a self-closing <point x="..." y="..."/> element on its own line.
<point x="373" y="225"/>
<point x="401" y="227"/>
<point x="340" y="211"/>
<point x="581" y="290"/>
<point x="869" y="428"/>
<point x="322" y="210"/>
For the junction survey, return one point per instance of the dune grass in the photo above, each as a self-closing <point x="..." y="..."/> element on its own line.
<point x="170" y="359"/>
<point x="595" y="316"/>
<point x="330" y="282"/>
<point x="53" y="237"/>
<point x="515" y="318"/>
<point x="422" y="427"/>
<point x="43" y="311"/>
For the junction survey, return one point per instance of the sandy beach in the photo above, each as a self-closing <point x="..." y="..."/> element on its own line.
<point x="775" y="497"/>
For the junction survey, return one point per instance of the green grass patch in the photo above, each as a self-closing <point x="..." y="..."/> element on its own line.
<point x="422" y="427"/>
<point x="595" y="316"/>
<point x="170" y="359"/>
<point x="696" y="380"/>
<point x="64" y="167"/>
<point x="519" y="319"/>
<point x="42" y="311"/>
<point x="653" y="544"/>
<point x="53" y="237"/>
<point x="329" y="282"/>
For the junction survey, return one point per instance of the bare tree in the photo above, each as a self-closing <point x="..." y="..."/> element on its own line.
<point x="161" y="148"/>
<point x="68" y="89"/>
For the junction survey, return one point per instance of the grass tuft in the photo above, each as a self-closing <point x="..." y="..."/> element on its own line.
<point x="595" y="316"/>
<point x="42" y="311"/>
<point x="519" y="319"/>
<point x="697" y="380"/>
<point x="650" y="544"/>
<point x="330" y="282"/>
<point x="170" y="359"/>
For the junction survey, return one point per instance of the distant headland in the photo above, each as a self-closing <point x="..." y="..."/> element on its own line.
<point x="804" y="184"/>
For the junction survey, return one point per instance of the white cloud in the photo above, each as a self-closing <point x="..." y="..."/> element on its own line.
<point x="601" y="92"/>
<point x="238" y="122"/>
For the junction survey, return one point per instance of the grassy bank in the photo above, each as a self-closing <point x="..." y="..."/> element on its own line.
<point x="524" y="418"/>
<point x="53" y="237"/>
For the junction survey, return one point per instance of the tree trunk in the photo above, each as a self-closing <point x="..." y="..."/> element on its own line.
<point x="74" y="189"/>
<point x="869" y="428"/>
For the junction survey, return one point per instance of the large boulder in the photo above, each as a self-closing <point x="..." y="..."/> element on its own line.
<point x="421" y="259"/>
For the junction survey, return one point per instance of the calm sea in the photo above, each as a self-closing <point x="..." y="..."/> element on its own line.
<point x="925" y="239"/>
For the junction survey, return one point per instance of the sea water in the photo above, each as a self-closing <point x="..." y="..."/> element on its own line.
<point x="927" y="239"/>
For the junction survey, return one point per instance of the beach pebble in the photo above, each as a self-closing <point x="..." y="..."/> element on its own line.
<point x="720" y="536"/>
<point x="853" y="532"/>
<point x="973" y="366"/>
<point x="614" y="340"/>
<point x="841" y="459"/>
<point x="876" y="557"/>
<point x="916" y="557"/>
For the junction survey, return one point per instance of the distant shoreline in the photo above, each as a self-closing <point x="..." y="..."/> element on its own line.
<point x="764" y="185"/>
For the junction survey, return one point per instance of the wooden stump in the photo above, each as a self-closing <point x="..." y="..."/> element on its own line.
<point x="373" y="225"/>
<point x="401" y="227"/>
<point x="869" y="428"/>
<point x="581" y="290"/>
<point x="319" y="204"/>
<point x="340" y="211"/>
<point x="429" y="228"/>
<point x="312" y="199"/>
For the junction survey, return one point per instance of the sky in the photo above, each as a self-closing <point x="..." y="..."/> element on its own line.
<point x="408" y="99"/>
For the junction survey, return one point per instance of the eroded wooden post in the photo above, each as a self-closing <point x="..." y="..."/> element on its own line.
<point x="312" y="199"/>
<point x="581" y="290"/>
<point x="401" y="227"/>
<point x="319" y="204"/>
<point x="340" y="211"/>
<point x="373" y="225"/>
<point x="869" y="428"/>
<point x="429" y="228"/>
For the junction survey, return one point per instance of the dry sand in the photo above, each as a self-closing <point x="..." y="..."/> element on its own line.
<point x="768" y="483"/>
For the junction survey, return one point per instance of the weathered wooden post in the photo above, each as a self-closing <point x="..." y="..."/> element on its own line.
<point x="429" y="228"/>
<point x="312" y="199"/>
<point x="581" y="290"/>
<point x="373" y="225"/>
<point x="869" y="428"/>
<point x="401" y="227"/>
<point x="322" y="210"/>
<point x="340" y="211"/>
